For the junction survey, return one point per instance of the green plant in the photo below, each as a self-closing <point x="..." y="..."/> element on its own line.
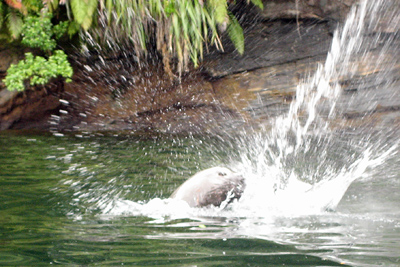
<point x="11" y="21"/>
<point x="37" y="70"/>
<point x="39" y="32"/>
<point x="83" y="11"/>
<point x="12" y="13"/>
<point x="180" y="28"/>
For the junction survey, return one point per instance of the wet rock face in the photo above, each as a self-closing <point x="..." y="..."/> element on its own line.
<point x="30" y="109"/>
<point x="119" y="98"/>
<point x="124" y="98"/>
<point x="306" y="9"/>
<point x="273" y="44"/>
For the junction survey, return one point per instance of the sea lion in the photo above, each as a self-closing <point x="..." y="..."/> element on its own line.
<point x="216" y="186"/>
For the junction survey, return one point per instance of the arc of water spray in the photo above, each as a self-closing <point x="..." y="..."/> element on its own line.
<point x="303" y="135"/>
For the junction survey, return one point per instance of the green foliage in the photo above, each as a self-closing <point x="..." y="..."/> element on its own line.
<point x="38" y="32"/>
<point x="37" y="70"/>
<point x="14" y="24"/>
<point x="32" y="6"/>
<point x="83" y="11"/>
<point x="12" y="14"/>
<point x="219" y="9"/>
<point x="73" y="28"/>
<point x="60" y="29"/>
<point x="3" y="8"/>
<point x="179" y="27"/>
<point x="235" y="32"/>
<point x="258" y="3"/>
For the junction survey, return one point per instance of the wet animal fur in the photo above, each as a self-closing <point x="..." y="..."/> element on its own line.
<point x="215" y="186"/>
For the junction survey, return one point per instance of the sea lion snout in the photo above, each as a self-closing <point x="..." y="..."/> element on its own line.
<point x="212" y="186"/>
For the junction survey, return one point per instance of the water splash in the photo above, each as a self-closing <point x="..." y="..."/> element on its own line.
<point x="304" y="164"/>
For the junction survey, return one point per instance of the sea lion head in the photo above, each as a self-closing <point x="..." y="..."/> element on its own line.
<point x="214" y="186"/>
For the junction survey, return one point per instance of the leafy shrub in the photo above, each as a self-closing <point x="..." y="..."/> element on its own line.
<point x="37" y="70"/>
<point x="39" y="32"/>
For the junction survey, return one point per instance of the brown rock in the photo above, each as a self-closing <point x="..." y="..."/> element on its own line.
<point x="306" y="9"/>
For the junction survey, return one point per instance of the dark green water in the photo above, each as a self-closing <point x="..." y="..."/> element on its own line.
<point x="53" y="188"/>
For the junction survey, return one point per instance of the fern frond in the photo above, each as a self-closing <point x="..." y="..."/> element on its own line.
<point x="84" y="11"/>
<point x="219" y="9"/>
<point x="235" y="32"/>
<point x="14" y="24"/>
